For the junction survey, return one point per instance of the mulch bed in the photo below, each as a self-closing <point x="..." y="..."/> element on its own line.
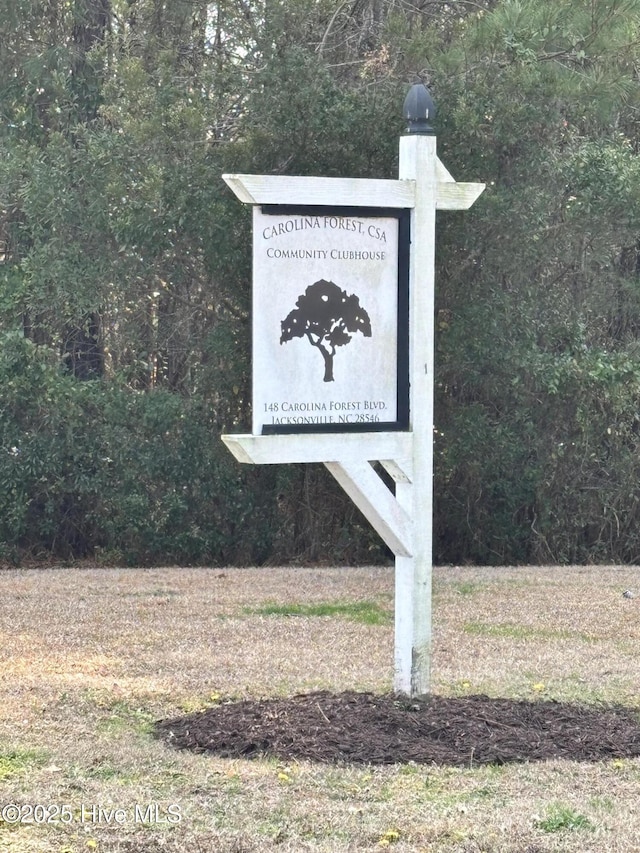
<point x="371" y="729"/>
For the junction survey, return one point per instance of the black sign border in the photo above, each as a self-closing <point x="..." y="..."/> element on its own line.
<point x="403" y="215"/>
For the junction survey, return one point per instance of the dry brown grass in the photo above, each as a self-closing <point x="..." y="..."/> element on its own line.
<point x="89" y="657"/>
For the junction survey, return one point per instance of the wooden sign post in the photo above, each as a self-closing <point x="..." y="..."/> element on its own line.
<point x="343" y="349"/>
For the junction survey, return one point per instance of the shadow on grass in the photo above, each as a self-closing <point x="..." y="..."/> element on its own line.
<point x="372" y="729"/>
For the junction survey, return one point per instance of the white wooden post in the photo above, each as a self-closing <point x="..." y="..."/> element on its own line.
<point x="403" y="521"/>
<point x="413" y="574"/>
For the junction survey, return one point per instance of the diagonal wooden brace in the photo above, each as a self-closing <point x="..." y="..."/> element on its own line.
<point x="349" y="456"/>
<point x="376" y="502"/>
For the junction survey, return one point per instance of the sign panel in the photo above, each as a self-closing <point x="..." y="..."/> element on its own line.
<point x="330" y="319"/>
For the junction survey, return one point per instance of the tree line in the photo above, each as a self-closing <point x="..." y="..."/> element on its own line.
<point x="125" y="269"/>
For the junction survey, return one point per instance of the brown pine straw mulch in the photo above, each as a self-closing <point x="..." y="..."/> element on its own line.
<point x="374" y="729"/>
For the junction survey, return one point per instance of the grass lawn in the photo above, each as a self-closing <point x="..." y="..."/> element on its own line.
<point x="90" y="658"/>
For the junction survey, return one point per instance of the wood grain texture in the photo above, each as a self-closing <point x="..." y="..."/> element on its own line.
<point x="319" y="447"/>
<point x="343" y="192"/>
<point x="349" y="192"/>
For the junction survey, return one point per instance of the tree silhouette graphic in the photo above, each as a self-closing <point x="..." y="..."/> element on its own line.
<point x="328" y="317"/>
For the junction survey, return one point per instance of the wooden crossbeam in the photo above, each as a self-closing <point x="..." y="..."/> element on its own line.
<point x="349" y="192"/>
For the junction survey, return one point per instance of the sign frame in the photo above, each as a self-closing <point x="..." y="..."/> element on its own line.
<point x="403" y="216"/>
<point x="402" y="515"/>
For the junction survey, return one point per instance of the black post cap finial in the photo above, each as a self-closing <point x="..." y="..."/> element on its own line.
<point x="419" y="110"/>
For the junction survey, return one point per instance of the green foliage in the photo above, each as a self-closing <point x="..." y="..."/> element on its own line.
<point x="14" y="762"/>
<point x="121" y="717"/>
<point x="96" y="469"/>
<point x="301" y="119"/>
<point x="94" y="466"/>
<point x="561" y="818"/>
<point x="125" y="269"/>
<point x="523" y="632"/>
<point x="536" y="444"/>
<point x="367" y="612"/>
